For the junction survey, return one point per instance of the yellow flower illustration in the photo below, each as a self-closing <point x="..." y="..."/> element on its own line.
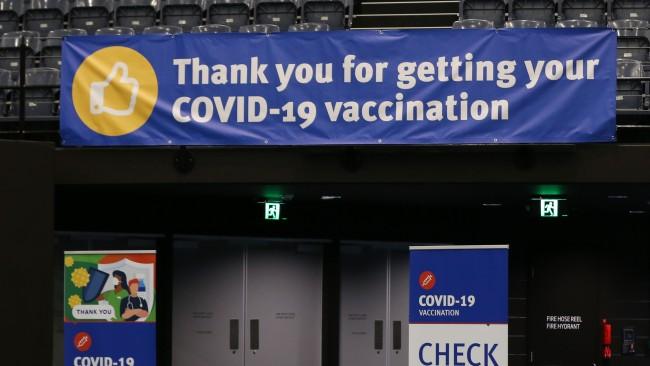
<point x="80" y="277"/>
<point x="69" y="261"/>
<point x="74" y="300"/>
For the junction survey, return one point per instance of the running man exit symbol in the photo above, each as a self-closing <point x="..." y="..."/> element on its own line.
<point x="271" y="211"/>
<point x="549" y="208"/>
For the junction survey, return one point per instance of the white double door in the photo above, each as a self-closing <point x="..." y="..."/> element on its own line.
<point x="239" y="302"/>
<point x="374" y="304"/>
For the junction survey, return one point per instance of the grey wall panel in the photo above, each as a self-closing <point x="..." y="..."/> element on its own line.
<point x="208" y="296"/>
<point x="399" y="306"/>
<point x="27" y="232"/>
<point x="363" y="302"/>
<point x="283" y="305"/>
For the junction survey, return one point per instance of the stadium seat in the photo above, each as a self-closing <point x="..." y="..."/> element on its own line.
<point x="630" y="27"/>
<point x="182" y="13"/>
<point x="632" y="41"/>
<point x="51" y="51"/>
<point x="211" y="28"/>
<point x="6" y="99"/>
<point x="492" y="10"/>
<point x="629" y="89"/>
<point x="90" y="15"/>
<point x="115" y="31"/>
<point x="10" y="13"/>
<point x="10" y="50"/>
<point x="163" y="29"/>
<point x="41" y="95"/>
<point x="309" y="27"/>
<point x="593" y="10"/>
<point x="282" y="13"/>
<point x="233" y="13"/>
<point x="330" y="12"/>
<point x="630" y="9"/>
<point x="543" y="10"/>
<point x="137" y="14"/>
<point x="259" y="28"/>
<point x="576" y="23"/>
<point x="42" y="16"/>
<point x="472" y="24"/>
<point x="6" y="82"/>
<point x="633" y="48"/>
<point x="525" y="24"/>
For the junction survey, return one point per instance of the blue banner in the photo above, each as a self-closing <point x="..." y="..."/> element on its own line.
<point x="459" y="285"/>
<point x="109" y="313"/>
<point x="458" y="305"/>
<point x="342" y="87"/>
<point x="118" y="344"/>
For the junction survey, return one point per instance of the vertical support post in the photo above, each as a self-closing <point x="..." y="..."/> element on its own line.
<point x="21" y="83"/>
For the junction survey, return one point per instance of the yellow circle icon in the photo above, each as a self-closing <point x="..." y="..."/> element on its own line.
<point x="80" y="277"/>
<point x="114" y="91"/>
<point x="69" y="261"/>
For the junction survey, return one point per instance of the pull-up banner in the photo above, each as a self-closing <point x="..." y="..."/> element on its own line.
<point x="458" y="312"/>
<point x="360" y="87"/>
<point x="109" y="316"/>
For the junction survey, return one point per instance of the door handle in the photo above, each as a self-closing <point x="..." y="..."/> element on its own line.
<point x="379" y="335"/>
<point x="234" y="334"/>
<point x="397" y="335"/>
<point x="255" y="334"/>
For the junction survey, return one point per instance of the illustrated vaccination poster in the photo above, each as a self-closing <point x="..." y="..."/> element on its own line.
<point x="109" y="308"/>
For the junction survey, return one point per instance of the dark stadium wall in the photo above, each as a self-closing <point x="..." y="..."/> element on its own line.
<point x="27" y="232"/>
<point x="580" y="275"/>
<point x="423" y="195"/>
<point x="592" y="264"/>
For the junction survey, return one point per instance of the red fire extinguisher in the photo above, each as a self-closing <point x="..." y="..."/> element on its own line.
<point x="606" y="339"/>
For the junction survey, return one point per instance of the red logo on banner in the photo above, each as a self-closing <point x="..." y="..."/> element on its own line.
<point x="427" y="280"/>
<point x="82" y="341"/>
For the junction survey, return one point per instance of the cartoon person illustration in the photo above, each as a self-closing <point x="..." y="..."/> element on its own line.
<point x="133" y="307"/>
<point x="117" y="294"/>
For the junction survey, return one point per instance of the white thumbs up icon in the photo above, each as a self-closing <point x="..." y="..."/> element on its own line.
<point x="124" y="84"/>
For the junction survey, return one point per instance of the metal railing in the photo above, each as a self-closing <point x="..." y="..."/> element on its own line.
<point x="16" y="118"/>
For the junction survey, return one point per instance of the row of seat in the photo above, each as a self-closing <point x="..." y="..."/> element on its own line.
<point x="45" y="15"/>
<point x="487" y="24"/>
<point x="632" y="39"/>
<point x="47" y="52"/>
<point x="41" y="93"/>
<point x="632" y="88"/>
<point x="624" y="27"/>
<point x="550" y="11"/>
<point x="207" y="28"/>
<point x="632" y="34"/>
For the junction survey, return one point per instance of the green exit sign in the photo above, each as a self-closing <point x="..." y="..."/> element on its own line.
<point x="271" y="211"/>
<point x="549" y="207"/>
